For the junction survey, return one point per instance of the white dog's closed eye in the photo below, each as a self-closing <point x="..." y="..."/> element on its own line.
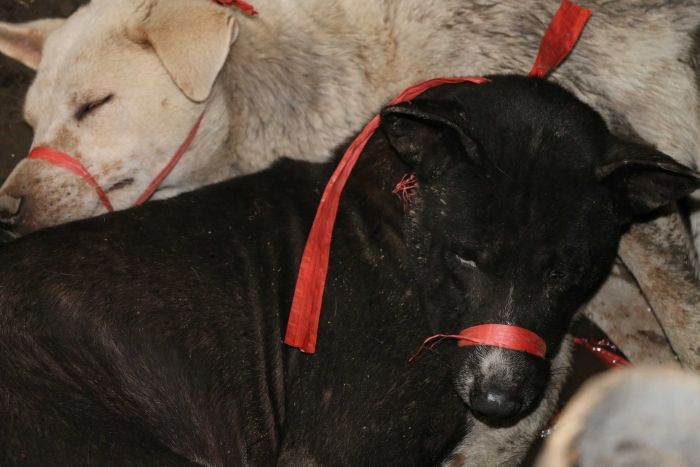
<point x="86" y="109"/>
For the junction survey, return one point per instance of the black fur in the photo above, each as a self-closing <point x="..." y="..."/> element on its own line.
<point x="153" y="336"/>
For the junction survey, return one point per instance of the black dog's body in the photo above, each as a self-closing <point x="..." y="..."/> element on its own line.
<point x="175" y="333"/>
<point x="153" y="336"/>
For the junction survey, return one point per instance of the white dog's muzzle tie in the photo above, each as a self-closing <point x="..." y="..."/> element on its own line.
<point x="61" y="159"/>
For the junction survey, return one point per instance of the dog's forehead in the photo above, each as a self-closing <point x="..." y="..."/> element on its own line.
<point x="83" y="39"/>
<point x="529" y="202"/>
<point x="90" y="54"/>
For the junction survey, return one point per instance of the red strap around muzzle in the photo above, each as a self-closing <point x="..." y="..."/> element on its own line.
<point x="504" y="336"/>
<point x="494" y="335"/>
<point x="63" y="160"/>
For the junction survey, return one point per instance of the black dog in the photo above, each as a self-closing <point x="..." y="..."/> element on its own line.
<point x="153" y="336"/>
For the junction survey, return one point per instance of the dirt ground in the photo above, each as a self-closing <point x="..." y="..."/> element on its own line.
<point x="15" y="135"/>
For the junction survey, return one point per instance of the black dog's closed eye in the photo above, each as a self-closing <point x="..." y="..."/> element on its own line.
<point x="466" y="262"/>
<point x="86" y="109"/>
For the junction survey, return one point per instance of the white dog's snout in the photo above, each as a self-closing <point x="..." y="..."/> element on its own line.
<point x="9" y="207"/>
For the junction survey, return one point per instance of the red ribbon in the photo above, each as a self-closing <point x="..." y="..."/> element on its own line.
<point x="245" y="7"/>
<point x="61" y="159"/>
<point x="604" y="350"/>
<point x="494" y="335"/>
<point x="560" y="37"/>
<point x="156" y="182"/>
<point x="503" y="335"/>
<point x="304" y="317"/>
<point x="302" y="327"/>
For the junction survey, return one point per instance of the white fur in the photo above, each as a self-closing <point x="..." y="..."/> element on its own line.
<point x="305" y="75"/>
<point x="505" y="447"/>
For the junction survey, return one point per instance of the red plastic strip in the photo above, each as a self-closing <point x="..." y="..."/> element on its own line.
<point x="603" y="351"/>
<point x="505" y="336"/>
<point x="304" y="317"/>
<point x="494" y="335"/>
<point x="302" y="327"/>
<point x="153" y="186"/>
<point x="245" y="7"/>
<point x="62" y="159"/>
<point x="559" y="39"/>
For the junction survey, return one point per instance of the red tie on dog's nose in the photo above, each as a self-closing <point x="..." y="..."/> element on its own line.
<point x="61" y="159"/>
<point x="494" y="335"/>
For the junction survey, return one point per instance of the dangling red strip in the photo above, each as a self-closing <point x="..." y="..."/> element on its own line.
<point x="304" y="317"/>
<point x="245" y="7"/>
<point x="302" y="327"/>
<point x="559" y="39"/>
<point x="62" y="159"/>
<point x="153" y="186"/>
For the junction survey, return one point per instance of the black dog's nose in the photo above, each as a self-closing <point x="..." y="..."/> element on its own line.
<point x="495" y="405"/>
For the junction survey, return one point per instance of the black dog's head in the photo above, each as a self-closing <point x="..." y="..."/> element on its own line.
<point x="522" y="197"/>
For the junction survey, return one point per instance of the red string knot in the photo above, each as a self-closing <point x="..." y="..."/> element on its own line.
<point x="245" y="7"/>
<point x="404" y="189"/>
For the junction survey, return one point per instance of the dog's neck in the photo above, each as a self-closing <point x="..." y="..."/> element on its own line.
<point x="271" y="93"/>
<point x="277" y="91"/>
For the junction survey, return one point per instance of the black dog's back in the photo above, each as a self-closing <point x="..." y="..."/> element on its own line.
<point x="123" y="319"/>
<point x="153" y="336"/>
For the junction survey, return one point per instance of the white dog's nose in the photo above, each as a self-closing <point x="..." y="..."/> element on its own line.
<point x="9" y="207"/>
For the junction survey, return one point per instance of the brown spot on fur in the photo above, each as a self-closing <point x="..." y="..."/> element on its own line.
<point x="653" y="337"/>
<point x="113" y="166"/>
<point x="65" y="141"/>
<point x="457" y="460"/>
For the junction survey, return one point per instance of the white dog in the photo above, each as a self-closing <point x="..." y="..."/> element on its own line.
<point x="120" y="83"/>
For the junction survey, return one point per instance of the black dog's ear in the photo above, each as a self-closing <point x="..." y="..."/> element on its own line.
<point x="644" y="178"/>
<point x="428" y="135"/>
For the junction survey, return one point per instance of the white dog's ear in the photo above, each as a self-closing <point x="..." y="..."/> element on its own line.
<point x="24" y="42"/>
<point x="192" y="40"/>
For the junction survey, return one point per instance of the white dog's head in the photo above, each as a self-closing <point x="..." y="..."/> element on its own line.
<point x="119" y="85"/>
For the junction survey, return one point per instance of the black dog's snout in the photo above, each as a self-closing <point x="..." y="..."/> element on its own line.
<point x="494" y="404"/>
